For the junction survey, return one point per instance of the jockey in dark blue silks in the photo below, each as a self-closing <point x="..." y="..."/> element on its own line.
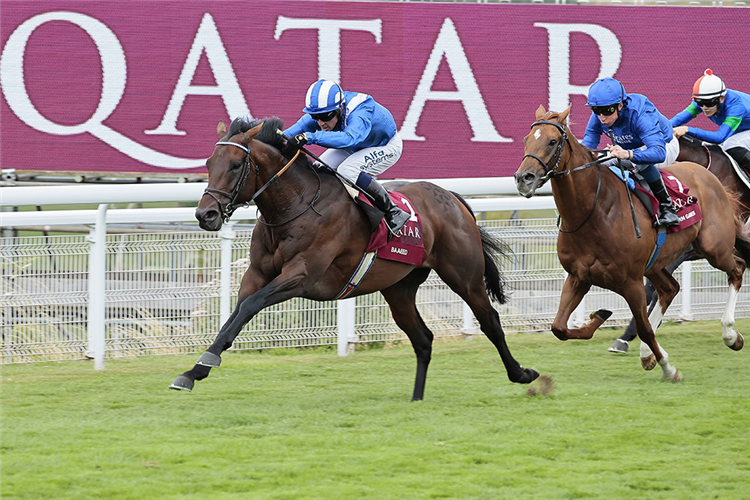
<point x="361" y="136"/>
<point x="727" y="108"/>
<point x="641" y="135"/>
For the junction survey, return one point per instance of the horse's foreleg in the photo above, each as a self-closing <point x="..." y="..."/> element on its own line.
<point x="651" y="352"/>
<point x="572" y="293"/>
<point x="285" y="286"/>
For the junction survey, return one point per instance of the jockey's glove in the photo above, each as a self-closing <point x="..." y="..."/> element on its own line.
<point x="296" y="142"/>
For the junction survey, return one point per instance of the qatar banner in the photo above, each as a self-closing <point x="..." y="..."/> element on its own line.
<point x="139" y="87"/>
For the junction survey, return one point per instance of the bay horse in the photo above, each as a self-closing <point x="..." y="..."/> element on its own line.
<point x="716" y="161"/>
<point x="311" y="237"/>
<point x="597" y="244"/>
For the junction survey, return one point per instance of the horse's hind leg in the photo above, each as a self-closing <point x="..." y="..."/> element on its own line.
<point x="401" y="298"/>
<point x="732" y="338"/>
<point x="722" y="256"/>
<point x="473" y="292"/>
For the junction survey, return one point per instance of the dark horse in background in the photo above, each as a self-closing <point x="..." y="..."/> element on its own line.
<point x="597" y="244"/>
<point x="311" y="237"/>
<point x="718" y="163"/>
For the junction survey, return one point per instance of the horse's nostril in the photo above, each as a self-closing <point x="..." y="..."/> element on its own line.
<point x="528" y="177"/>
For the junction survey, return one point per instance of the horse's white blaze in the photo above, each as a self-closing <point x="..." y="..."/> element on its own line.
<point x="727" y="320"/>
<point x="537" y="134"/>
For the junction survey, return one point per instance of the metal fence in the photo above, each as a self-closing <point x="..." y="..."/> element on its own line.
<point x="162" y="296"/>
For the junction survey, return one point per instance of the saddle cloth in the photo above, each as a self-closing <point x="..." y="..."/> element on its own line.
<point x="408" y="245"/>
<point x="684" y="203"/>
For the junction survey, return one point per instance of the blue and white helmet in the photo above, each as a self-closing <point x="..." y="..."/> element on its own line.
<point x="605" y="92"/>
<point x="323" y="96"/>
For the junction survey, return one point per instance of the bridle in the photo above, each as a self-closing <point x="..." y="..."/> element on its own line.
<point x="228" y="209"/>
<point x="550" y="170"/>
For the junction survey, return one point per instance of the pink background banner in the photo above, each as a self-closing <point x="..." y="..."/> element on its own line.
<point x="138" y="87"/>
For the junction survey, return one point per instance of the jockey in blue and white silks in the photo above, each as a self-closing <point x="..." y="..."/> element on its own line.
<point x="361" y="138"/>
<point x="729" y="109"/>
<point x="641" y="135"/>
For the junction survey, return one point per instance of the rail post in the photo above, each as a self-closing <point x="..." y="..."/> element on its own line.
<point x="346" y="333"/>
<point x="97" y="287"/>
<point x="468" y="327"/>
<point x="687" y="291"/>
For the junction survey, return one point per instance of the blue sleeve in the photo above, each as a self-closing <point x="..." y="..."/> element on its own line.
<point x="685" y="115"/>
<point x="304" y="124"/>
<point x="717" y="137"/>
<point x="593" y="133"/>
<point x="358" y="126"/>
<point x="648" y="130"/>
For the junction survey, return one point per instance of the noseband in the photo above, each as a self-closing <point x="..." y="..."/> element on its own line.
<point x="228" y="209"/>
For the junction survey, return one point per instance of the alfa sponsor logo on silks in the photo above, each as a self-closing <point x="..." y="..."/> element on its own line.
<point x="376" y="157"/>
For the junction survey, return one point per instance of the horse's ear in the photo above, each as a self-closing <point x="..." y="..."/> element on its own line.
<point x="221" y="129"/>
<point x="248" y="136"/>
<point x="540" y="112"/>
<point x="563" y="117"/>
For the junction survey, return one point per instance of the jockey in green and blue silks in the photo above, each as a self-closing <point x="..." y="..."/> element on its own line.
<point x="361" y="138"/>
<point x="641" y="135"/>
<point x="729" y="109"/>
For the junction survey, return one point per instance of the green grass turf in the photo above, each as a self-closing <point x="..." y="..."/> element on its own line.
<point x="317" y="426"/>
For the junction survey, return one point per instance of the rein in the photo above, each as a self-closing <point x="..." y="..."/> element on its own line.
<point x="228" y="209"/>
<point x="550" y="171"/>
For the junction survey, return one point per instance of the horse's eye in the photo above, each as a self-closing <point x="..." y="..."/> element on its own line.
<point x="235" y="165"/>
<point x="552" y="142"/>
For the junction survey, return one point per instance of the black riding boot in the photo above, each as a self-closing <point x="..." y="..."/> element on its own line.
<point x="741" y="156"/>
<point x="395" y="217"/>
<point x="667" y="215"/>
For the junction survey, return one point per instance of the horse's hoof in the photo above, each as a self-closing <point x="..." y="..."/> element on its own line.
<point x="739" y="343"/>
<point x="602" y="314"/>
<point x="209" y="359"/>
<point x="182" y="383"/>
<point x="676" y="377"/>
<point x="649" y="362"/>
<point x="531" y="375"/>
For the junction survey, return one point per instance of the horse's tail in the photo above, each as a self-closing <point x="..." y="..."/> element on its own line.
<point x="493" y="249"/>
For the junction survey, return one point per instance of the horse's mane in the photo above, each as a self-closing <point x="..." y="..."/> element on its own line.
<point x="267" y="134"/>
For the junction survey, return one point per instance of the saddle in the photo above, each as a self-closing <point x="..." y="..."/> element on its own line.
<point x="684" y="204"/>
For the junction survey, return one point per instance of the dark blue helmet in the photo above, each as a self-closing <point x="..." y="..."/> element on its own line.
<point x="605" y="92"/>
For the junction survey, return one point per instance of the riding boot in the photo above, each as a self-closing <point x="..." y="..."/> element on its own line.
<point x="395" y="217"/>
<point x="667" y="215"/>
<point x="741" y="156"/>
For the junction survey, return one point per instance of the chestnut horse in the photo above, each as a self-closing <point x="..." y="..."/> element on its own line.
<point x="311" y="237"/>
<point x="597" y="244"/>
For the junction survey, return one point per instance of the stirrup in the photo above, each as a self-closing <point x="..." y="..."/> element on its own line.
<point x="667" y="218"/>
<point x="396" y="221"/>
